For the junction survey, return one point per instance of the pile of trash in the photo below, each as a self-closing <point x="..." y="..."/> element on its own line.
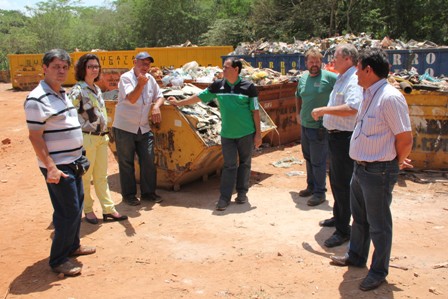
<point x="205" y="118"/>
<point x="192" y="72"/>
<point x="264" y="76"/>
<point x="409" y="80"/>
<point x="328" y="44"/>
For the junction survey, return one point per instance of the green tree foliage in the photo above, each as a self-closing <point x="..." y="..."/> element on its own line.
<point x="161" y="23"/>
<point x="229" y="23"/>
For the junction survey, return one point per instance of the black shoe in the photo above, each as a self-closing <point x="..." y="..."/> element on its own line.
<point x="241" y="199"/>
<point x="316" y="200"/>
<point x="370" y="283"/>
<point x="305" y="193"/>
<point x="327" y="222"/>
<point x="92" y="220"/>
<point x="152" y="197"/>
<point x="132" y="201"/>
<point x="114" y="218"/>
<point x="336" y="240"/>
<point x="222" y="205"/>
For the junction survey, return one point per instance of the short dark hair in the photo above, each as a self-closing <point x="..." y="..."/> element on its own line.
<point x="56" y="53"/>
<point x="80" y="67"/>
<point x="377" y="59"/>
<point x="236" y="62"/>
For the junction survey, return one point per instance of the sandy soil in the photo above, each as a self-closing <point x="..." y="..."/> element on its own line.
<point x="182" y="248"/>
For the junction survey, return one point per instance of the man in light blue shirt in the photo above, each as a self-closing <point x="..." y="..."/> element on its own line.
<point x="339" y="118"/>
<point x="380" y="145"/>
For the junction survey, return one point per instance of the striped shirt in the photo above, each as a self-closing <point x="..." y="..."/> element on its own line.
<point x="383" y="114"/>
<point x="345" y="91"/>
<point x="131" y="117"/>
<point x="55" y="115"/>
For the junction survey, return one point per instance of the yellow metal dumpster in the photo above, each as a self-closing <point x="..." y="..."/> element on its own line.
<point x="182" y="154"/>
<point x="177" y="57"/>
<point x="428" y="111"/>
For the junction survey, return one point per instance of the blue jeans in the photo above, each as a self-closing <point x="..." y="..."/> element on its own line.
<point x="129" y="144"/>
<point x="315" y="150"/>
<point x="67" y="199"/>
<point x="371" y="195"/>
<point x="237" y="155"/>
<point x="341" y="170"/>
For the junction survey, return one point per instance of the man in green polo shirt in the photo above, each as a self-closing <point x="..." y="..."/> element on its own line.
<point x="313" y="91"/>
<point x="238" y="103"/>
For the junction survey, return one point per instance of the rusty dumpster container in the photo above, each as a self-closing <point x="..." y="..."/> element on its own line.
<point x="279" y="101"/>
<point x="182" y="154"/>
<point x="4" y="76"/>
<point x="428" y="111"/>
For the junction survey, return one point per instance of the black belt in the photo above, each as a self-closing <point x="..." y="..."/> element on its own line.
<point x="96" y="133"/>
<point x="337" y="131"/>
<point x="365" y="163"/>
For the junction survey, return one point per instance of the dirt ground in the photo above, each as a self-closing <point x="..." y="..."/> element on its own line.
<point x="182" y="248"/>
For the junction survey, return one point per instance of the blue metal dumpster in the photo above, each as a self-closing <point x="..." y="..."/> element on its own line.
<point x="433" y="61"/>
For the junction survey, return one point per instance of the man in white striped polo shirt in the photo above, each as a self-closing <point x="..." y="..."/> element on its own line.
<point x="380" y="145"/>
<point x="56" y="136"/>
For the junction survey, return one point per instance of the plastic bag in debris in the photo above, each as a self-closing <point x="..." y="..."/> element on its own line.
<point x="287" y="162"/>
<point x="192" y="65"/>
<point x="174" y="79"/>
<point x="295" y="173"/>
<point x="429" y="78"/>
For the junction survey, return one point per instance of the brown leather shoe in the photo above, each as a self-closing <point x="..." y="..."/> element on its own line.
<point x="152" y="197"/>
<point x="68" y="269"/>
<point x="305" y="193"/>
<point x="83" y="250"/>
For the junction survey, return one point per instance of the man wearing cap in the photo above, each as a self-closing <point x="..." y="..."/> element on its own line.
<point x="139" y="96"/>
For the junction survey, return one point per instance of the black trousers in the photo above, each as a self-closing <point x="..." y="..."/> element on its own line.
<point x="341" y="171"/>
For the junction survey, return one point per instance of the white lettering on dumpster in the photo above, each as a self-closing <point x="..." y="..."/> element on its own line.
<point x="430" y="58"/>
<point x="267" y="105"/>
<point x="396" y="59"/>
<point x="415" y="59"/>
<point x="430" y="71"/>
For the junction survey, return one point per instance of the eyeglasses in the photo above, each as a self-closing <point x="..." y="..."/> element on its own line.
<point x="93" y="67"/>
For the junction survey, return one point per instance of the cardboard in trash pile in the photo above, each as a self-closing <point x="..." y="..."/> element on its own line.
<point x="109" y="78"/>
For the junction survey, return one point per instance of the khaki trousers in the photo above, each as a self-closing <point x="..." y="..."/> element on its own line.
<point x="96" y="152"/>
